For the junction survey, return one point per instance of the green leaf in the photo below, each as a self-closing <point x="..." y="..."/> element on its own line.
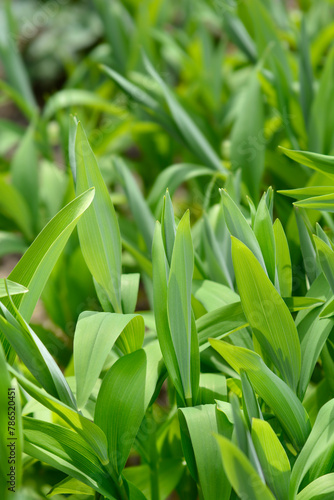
<point x="307" y="246"/>
<point x="67" y="445"/>
<point x="320" y="489"/>
<point x="70" y="485"/>
<point x="191" y="134"/>
<point x="220" y="322"/>
<point x="129" y="289"/>
<point x="273" y="459"/>
<point x="263" y="230"/>
<point x="91" y="433"/>
<point x="325" y="203"/>
<point x="14" y="206"/>
<point x="24" y="170"/>
<point x="212" y="387"/>
<point x="326" y="259"/>
<point x="276" y="393"/>
<point x="213" y="295"/>
<point x="170" y="473"/>
<point x="98" y="230"/>
<point x="201" y="451"/>
<point x="35" y="356"/>
<point x="241" y="474"/>
<point x="320" y="440"/>
<point x="180" y="317"/>
<point x="67" y="98"/>
<point x="283" y="260"/>
<point x="250" y="404"/>
<point x="267" y="314"/>
<point x="140" y="211"/>
<point x="318" y="162"/>
<point x="160" y="276"/>
<point x="239" y="227"/>
<point x="94" y="337"/>
<point x="13" y="288"/>
<point x="215" y="259"/>
<point x="34" y="268"/>
<point x="153" y="107"/>
<point x="168" y="226"/>
<point x="308" y="192"/>
<point x="121" y="405"/>
<point x="171" y="178"/>
<point x="247" y="139"/>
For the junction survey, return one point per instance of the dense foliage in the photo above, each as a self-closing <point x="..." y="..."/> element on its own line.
<point x="166" y="180"/>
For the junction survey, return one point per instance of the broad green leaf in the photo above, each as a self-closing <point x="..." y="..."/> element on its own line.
<point x="191" y="134"/>
<point x="35" y="356"/>
<point x="241" y="474"/>
<point x="70" y="447"/>
<point x="121" y="405"/>
<point x="320" y="489"/>
<point x="180" y="317"/>
<point x="283" y="260"/>
<point x="273" y="459"/>
<point x="94" y="337"/>
<point x="248" y="141"/>
<point x="212" y="386"/>
<point x="140" y="211"/>
<point x="263" y="230"/>
<point x="239" y="227"/>
<point x="198" y="426"/>
<point x="34" y="268"/>
<point x="267" y="314"/>
<point x="48" y="457"/>
<point x="69" y="486"/>
<point x="98" y="230"/>
<point x="273" y="390"/>
<point x="319" y="441"/>
<point x="319" y="162"/>
<point x="160" y="276"/>
<point x="24" y="171"/>
<point x="213" y="295"/>
<point x="220" y="322"/>
<point x="90" y="432"/>
<point x="129" y="289"/>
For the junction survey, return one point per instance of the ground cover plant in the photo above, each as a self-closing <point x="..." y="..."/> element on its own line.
<point x="166" y="190"/>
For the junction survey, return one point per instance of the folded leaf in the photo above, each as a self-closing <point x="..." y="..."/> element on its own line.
<point x="267" y="314"/>
<point x="276" y="393"/>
